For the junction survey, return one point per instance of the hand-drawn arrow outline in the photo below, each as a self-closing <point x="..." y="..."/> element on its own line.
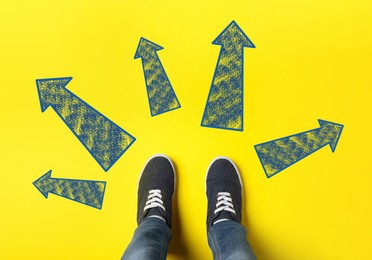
<point x="314" y="137"/>
<point x="160" y="93"/>
<point x="115" y="130"/>
<point x="225" y="103"/>
<point x="88" y="192"/>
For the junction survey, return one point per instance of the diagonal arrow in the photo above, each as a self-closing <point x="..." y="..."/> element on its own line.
<point x="90" y="193"/>
<point x="161" y="95"/>
<point x="105" y="140"/>
<point x="281" y="153"/>
<point x="224" y="108"/>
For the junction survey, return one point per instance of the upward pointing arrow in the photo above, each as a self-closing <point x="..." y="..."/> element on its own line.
<point x="279" y="154"/>
<point x="90" y="193"/>
<point x="104" y="140"/>
<point x="161" y="95"/>
<point x="224" y="108"/>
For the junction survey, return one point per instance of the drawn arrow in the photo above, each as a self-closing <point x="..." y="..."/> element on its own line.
<point x="90" y="193"/>
<point x="104" y="140"/>
<point x="281" y="153"/>
<point x="224" y="108"/>
<point x="161" y="95"/>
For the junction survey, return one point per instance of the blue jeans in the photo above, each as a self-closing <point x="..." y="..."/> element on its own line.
<point x="227" y="239"/>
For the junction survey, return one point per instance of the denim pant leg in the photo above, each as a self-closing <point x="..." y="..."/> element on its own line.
<point x="150" y="241"/>
<point x="228" y="241"/>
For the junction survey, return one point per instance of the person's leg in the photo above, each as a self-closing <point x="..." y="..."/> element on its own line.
<point x="150" y="241"/>
<point x="226" y="236"/>
<point x="228" y="240"/>
<point x="154" y="213"/>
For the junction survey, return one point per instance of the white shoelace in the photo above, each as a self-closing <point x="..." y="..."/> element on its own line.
<point x="224" y="202"/>
<point x="154" y="200"/>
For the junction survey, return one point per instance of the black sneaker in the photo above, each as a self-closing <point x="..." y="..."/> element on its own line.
<point x="155" y="189"/>
<point x="224" y="192"/>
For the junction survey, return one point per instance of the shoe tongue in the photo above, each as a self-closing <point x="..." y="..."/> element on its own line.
<point x="224" y="215"/>
<point x="157" y="212"/>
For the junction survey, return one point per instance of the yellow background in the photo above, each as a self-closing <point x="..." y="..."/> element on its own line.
<point x="313" y="60"/>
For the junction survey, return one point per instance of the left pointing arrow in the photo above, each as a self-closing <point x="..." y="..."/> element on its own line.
<point x="90" y="193"/>
<point x="105" y="140"/>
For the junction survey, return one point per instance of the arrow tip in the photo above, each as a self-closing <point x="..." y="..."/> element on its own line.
<point x="233" y="35"/>
<point x="146" y="49"/>
<point x="331" y="132"/>
<point x="43" y="184"/>
<point x="48" y="90"/>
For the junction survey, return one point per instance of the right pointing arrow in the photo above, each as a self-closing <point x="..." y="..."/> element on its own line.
<point x="281" y="153"/>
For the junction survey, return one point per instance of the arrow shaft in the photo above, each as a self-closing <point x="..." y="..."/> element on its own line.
<point x="159" y="89"/>
<point x="229" y="70"/>
<point x="102" y="138"/>
<point x="225" y="102"/>
<point x="87" y="192"/>
<point x="277" y="155"/>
